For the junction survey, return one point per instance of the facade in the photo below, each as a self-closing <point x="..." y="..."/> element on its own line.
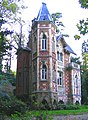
<point x="44" y="67"/>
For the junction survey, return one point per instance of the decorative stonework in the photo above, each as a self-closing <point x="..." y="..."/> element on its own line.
<point x="30" y="64"/>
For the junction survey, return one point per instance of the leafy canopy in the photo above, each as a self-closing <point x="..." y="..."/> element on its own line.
<point x="84" y="3"/>
<point x="59" y="25"/>
<point x="83" y="24"/>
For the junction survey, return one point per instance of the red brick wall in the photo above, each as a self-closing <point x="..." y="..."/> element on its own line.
<point x="67" y="77"/>
<point x="22" y="78"/>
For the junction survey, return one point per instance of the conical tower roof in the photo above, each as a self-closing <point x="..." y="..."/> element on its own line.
<point x="44" y="14"/>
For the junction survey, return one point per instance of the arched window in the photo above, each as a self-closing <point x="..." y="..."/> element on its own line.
<point x="61" y="57"/>
<point x="44" y="72"/>
<point x="43" y="45"/>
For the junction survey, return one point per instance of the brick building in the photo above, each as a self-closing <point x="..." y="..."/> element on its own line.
<point x="44" y="67"/>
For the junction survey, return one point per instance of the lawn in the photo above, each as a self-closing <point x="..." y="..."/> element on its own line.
<point x="48" y="114"/>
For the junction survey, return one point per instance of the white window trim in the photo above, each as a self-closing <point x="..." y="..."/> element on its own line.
<point x="59" y="57"/>
<point x="45" y="74"/>
<point x="44" y="46"/>
<point x="60" y="79"/>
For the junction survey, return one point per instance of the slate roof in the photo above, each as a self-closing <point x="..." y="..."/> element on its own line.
<point x="67" y="47"/>
<point x="44" y="14"/>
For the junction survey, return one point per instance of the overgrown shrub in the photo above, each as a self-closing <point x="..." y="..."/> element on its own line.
<point x="67" y="107"/>
<point x="12" y="106"/>
<point x="61" y="107"/>
<point x="72" y="107"/>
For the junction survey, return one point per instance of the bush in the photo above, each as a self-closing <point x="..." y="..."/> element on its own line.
<point x="12" y="106"/>
<point x="61" y="107"/>
<point x="67" y="107"/>
<point x="4" y="95"/>
<point x="72" y="107"/>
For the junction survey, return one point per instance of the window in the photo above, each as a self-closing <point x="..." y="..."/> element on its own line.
<point x="44" y="42"/>
<point x="59" y="78"/>
<point x="61" y="57"/>
<point x="44" y="72"/>
<point x="57" y="55"/>
<point x="76" y="80"/>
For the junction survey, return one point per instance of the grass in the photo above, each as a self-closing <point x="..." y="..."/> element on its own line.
<point x="81" y="110"/>
<point x="48" y="114"/>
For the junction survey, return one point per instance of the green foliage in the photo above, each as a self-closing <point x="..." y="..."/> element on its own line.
<point x="32" y="115"/>
<point x="9" y="5"/>
<point x="67" y="107"/>
<point x="77" y="37"/>
<point x="84" y="3"/>
<point x="68" y="68"/>
<point x="83" y="24"/>
<point x="75" y="60"/>
<point x="85" y="87"/>
<point x="59" y="25"/>
<point x="12" y="106"/>
<point x="7" y="9"/>
<point x="56" y="16"/>
<point x="84" y="66"/>
<point x="48" y="114"/>
<point x="8" y="77"/>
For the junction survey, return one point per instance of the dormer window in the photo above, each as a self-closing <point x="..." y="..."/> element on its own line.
<point x="43" y="45"/>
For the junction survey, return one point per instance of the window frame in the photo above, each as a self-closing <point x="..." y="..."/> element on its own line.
<point x="44" y="42"/>
<point x="60" y="78"/>
<point x="57" y="55"/>
<point x="60" y="56"/>
<point x="44" y="72"/>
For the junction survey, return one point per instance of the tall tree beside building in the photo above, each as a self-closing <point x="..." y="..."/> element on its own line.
<point x="9" y="11"/>
<point x="83" y="23"/>
<point x="84" y="73"/>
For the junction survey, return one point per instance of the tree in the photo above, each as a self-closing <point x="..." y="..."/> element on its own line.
<point x="84" y="85"/>
<point x="10" y="10"/>
<point x="84" y="3"/>
<point x="19" y="37"/>
<point x="83" y="29"/>
<point x="7" y="9"/>
<point x="59" y="25"/>
<point x="84" y="66"/>
<point x="83" y="24"/>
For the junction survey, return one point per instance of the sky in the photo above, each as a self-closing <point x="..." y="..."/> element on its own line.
<point x="71" y="14"/>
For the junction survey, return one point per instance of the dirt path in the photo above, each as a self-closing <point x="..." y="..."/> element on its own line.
<point x="71" y="117"/>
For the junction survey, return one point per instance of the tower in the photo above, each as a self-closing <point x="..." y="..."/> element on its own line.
<point x="43" y="56"/>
